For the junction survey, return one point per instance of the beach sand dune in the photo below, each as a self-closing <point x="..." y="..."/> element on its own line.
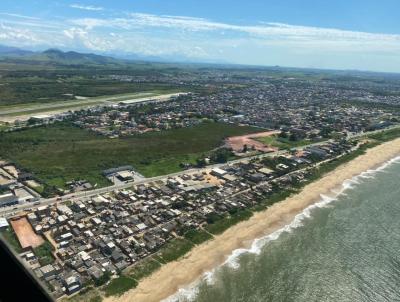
<point x="166" y="281"/>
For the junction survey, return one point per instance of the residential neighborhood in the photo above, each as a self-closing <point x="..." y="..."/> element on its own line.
<point x="103" y="235"/>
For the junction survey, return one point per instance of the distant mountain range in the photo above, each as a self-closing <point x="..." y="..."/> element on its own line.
<point x="13" y="51"/>
<point x="56" y="56"/>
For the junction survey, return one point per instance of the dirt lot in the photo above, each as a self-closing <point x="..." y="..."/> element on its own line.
<point x="237" y="142"/>
<point x="213" y="180"/>
<point x="26" y="235"/>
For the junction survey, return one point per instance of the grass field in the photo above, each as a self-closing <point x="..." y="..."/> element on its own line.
<point x="9" y="236"/>
<point x="227" y="221"/>
<point x="119" y="285"/>
<point x="61" y="152"/>
<point x="144" y="268"/>
<point x="173" y="250"/>
<point x="197" y="236"/>
<point x="282" y="143"/>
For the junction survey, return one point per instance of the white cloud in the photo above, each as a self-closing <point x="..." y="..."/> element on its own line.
<point x="14" y="35"/>
<point x="87" y="7"/>
<point x="19" y="16"/>
<point x="272" y="31"/>
<point x="165" y="35"/>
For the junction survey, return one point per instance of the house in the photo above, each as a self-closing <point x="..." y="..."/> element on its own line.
<point x="64" y="210"/>
<point x="266" y="171"/>
<point x="96" y="273"/>
<point x="317" y="152"/>
<point x="41" y="118"/>
<point x="256" y="177"/>
<point x="8" y="199"/>
<point x="125" y="175"/>
<point x="72" y="284"/>
<point x="3" y="223"/>
<point x="48" y="271"/>
<point x="218" y="172"/>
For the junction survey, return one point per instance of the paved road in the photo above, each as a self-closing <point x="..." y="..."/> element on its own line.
<point x="89" y="194"/>
<point x="361" y="134"/>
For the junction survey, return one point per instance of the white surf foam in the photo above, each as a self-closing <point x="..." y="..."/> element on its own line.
<point x="189" y="292"/>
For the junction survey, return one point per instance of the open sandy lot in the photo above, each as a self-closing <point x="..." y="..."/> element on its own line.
<point x="25" y="234"/>
<point x="237" y="142"/>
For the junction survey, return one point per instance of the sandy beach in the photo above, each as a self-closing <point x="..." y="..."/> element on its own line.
<point x="166" y="281"/>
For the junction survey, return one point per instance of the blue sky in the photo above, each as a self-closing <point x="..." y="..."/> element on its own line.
<point x="338" y="34"/>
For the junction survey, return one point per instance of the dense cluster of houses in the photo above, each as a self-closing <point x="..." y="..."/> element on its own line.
<point x="105" y="234"/>
<point x="305" y="113"/>
<point x="122" y="121"/>
<point x="305" y="108"/>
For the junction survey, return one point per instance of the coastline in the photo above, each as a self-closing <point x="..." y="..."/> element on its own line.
<point x="203" y="258"/>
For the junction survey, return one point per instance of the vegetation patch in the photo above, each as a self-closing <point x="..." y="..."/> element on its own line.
<point x="44" y="253"/>
<point x="385" y="136"/>
<point x="11" y="238"/>
<point x="144" y="268"/>
<point x="119" y="285"/>
<point x="197" y="236"/>
<point x="220" y="225"/>
<point x="174" y="249"/>
<point x="62" y="152"/>
<point x="88" y="294"/>
<point x="283" y="142"/>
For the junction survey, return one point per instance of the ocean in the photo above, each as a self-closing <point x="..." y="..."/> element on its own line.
<point x="346" y="247"/>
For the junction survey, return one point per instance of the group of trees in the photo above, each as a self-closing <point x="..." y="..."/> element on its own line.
<point x="218" y="156"/>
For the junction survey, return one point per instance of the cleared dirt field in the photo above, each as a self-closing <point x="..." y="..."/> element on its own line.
<point x="212" y="179"/>
<point x="25" y="234"/>
<point x="237" y="143"/>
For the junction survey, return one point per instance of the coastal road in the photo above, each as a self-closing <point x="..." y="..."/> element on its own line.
<point x="88" y="194"/>
<point x="10" y="211"/>
<point x="362" y="134"/>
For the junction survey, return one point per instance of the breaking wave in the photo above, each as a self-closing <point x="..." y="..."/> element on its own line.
<point x="189" y="292"/>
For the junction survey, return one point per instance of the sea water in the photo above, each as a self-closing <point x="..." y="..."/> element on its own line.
<point x="345" y="248"/>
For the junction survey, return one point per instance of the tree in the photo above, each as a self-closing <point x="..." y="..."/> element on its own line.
<point x="200" y="162"/>
<point x="103" y="279"/>
<point x="325" y="132"/>
<point x="283" y="134"/>
<point x="293" y="137"/>
<point x="221" y="155"/>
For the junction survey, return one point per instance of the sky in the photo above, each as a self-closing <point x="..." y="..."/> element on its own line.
<point x="339" y="34"/>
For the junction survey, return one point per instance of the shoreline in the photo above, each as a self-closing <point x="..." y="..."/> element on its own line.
<point x="205" y="257"/>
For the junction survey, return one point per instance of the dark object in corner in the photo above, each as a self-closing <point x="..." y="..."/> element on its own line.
<point x="16" y="283"/>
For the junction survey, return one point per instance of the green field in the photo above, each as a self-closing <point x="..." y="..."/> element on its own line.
<point x="173" y="250"/>
<point x="62" y="152"/>
<point x="119" y="285"/>
<point x="27" y="88"/>
<point x="282" y="143"/>
<point x="144" y="269"/>
<point x="9" y="236"/>
<point x="197" y="236"/>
